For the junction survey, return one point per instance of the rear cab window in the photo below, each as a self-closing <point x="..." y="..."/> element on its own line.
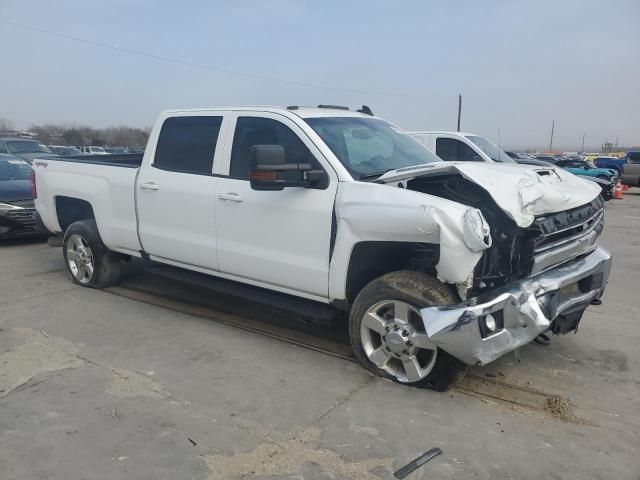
<point x="188" y="144"/>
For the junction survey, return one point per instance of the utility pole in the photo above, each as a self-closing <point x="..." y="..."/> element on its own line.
<point x="553" y="124"/>
<point x="459" y="109"/>
<point x="582" y="150"/>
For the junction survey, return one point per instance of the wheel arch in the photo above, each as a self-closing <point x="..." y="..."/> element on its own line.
<point x="372" y="259"/>
<point x="72" y="209"/>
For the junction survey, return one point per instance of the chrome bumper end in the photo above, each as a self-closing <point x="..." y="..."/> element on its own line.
<point x="522" y="310"/>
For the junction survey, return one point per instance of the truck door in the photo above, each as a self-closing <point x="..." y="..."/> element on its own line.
<point x="277" y="238"/>
<point x="175" y="192"/>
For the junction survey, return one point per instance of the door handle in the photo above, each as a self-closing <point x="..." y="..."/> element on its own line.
<point x="231" y="196"/>
<point x="149" y="186"/>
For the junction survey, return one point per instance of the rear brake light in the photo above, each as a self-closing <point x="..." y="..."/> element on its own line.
<point x="34" y="189"/>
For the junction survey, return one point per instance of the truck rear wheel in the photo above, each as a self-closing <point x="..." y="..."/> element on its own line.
<point x="88" y="261"/>
<point x="387" y="333"/>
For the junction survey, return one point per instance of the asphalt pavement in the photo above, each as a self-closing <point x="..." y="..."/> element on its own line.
<point x="97" y="386"/>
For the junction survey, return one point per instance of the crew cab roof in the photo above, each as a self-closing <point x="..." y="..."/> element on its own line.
<point x="302" y="112"/>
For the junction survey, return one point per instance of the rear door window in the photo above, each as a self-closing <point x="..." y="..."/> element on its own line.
<point x="452" y="150"/>
<point x="188" y="144"/>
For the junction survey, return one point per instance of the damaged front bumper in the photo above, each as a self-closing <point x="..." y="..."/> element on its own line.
<point x="553" y="300"/>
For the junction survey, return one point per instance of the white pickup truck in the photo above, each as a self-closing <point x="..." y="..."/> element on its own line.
<point x="462" y="147"/>
<point x="437" y="265"/>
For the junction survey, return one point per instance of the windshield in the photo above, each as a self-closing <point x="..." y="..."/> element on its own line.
<point x="97" y="149"/>
<point x="27" y="147"/>
<point x="496" y="154"/>
<point x="369" y="147"/>
<point x="14" y="170"/>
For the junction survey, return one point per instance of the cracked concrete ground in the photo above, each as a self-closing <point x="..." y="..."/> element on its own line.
<point x="96" y="386"/>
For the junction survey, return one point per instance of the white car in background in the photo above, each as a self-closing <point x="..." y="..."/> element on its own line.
<point x="462" y="147"/>
<point x="93" y="150"/>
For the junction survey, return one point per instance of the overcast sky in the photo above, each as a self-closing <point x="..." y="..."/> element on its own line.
<point x="518" y="64"/>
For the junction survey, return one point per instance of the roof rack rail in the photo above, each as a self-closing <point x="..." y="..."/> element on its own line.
<point x="366" y="110"/>
<point x="334" y="107"/>
<point x="293" y="107"/>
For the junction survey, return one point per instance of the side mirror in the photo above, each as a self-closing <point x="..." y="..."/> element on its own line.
<point x="270" y="172"/>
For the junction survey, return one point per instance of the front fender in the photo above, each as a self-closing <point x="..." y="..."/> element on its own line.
<point x="369" y="212"/>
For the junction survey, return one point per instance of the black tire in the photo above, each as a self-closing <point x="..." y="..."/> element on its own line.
<point x="419" y="290"/>
<point x="105" y="264"/>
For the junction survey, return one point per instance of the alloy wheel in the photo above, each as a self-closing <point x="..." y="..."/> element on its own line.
<point x="393" y="338"/>
<point x="80" y="259"/>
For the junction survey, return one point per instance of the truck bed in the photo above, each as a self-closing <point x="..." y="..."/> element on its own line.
<point x="105" y="182"/>
<point x="133" y="160"/>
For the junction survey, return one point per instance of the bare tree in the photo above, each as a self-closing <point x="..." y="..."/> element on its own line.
<point x="120" y="136"/>
<point x="6" y="125"/>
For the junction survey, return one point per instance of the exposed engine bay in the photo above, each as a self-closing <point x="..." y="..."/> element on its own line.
<point x="514" y="251"/>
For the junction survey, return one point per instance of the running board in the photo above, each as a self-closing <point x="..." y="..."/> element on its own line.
<point x="317" y="313"/>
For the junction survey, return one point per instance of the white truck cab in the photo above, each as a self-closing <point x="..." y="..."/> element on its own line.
<point x="462" y="147"/>
<point x="435" y="265"/>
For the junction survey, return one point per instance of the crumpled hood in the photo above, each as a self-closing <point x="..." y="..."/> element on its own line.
<point x="521" y="191"/>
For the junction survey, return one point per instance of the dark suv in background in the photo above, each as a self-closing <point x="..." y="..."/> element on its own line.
<point x="25" y="149"/>
<point x="16" y="199"/>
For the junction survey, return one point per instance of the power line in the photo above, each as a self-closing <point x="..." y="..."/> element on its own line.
<point x="202" y="66"/>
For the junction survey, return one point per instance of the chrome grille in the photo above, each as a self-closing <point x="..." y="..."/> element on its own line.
<point x="29" y="203"/>
<point x="567" y="235"/>
<point x="23" y="217"/>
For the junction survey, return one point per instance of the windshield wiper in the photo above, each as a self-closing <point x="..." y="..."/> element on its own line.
<point x="371" y="176"/>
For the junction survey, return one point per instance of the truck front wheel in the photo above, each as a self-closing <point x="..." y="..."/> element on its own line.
<point x="388" y="336"/>
<point x="88" y="261"/>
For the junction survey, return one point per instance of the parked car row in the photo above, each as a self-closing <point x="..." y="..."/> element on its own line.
<point x="67" y="151"/>
<point x="28" y="149"/>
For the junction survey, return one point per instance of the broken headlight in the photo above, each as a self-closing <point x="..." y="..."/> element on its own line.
<point x="477" y="234"/>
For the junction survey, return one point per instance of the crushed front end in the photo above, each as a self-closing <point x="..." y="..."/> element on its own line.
<point x="553" y="273"/>
<point x="486" y="327"/>
<point x="529" y="281"/>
